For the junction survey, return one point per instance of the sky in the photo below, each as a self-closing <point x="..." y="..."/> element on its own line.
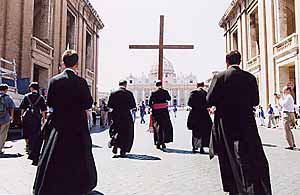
<point x="137" y="22"/>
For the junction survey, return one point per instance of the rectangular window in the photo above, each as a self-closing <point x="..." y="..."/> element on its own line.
<point x="70" y="37"/>
<point x="89" y="59"/>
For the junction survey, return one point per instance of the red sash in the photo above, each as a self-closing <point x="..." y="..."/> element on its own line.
<point x="159" y="106"/>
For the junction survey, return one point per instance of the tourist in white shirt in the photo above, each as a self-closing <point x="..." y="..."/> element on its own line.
<point x="286" y="101"/>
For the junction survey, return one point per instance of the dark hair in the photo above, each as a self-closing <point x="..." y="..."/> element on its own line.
<point x="34" y="85"/>
<point x="70" y="58"/>
<point x="158" y="83"/>
<point x="288" y="88"/>
<point x="201" y="84"/>
<point x="122" y="83"/>
<point x="234" y="57"/>
<point x="3" y="87"/>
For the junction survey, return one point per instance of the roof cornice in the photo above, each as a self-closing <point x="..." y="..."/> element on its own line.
<point x="94" y="12"/>
<point x="233" y="5"/>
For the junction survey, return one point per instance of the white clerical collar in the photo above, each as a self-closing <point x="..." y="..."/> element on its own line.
<point x="122" y="87"/>
<point x="71" y="70"/>
<point x="235" y="65"/>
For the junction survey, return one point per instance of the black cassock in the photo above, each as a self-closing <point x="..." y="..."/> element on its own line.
<point x="66" y="165"/>
<point x="32" y="126"/>
<point x="163" y="129"/>
<point x="122" y="102"/>
<point x="243" y="164"/>
<point x="199" y="120"/>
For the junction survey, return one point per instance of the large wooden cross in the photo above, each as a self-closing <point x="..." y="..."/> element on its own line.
<point x="161" y="48"/>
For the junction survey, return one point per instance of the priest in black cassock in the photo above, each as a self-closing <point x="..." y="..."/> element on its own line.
<point x="122" y="129"/>
<point x="66" y="165"/>
<point x="243" y="164"/>
<point x="162" y="126"/>
<point x="199" y="120"/>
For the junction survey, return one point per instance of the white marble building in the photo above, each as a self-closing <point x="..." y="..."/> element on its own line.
<point x="179" y="86"/>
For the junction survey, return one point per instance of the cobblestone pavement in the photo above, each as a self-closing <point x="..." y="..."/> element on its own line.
<point x="149" y="171"/>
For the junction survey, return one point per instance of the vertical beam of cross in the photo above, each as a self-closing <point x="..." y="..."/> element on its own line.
<point x="161" y="48"/>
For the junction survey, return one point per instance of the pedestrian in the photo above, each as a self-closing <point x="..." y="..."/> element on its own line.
<point x="175" y="110"/>
<point x="243" y="164"/>
<point x="133" y="114"/>
<point x="89" y="114"/>
<point x="122" y="102"/>
<point x="199" y="120"/>
<point x="66" y="165"/>
<point x="271" y="118"/>
<point x="94" y="113"/>
<point x="6" y="114"/>
<point x="276" y="115"/>
<point x="142" y="112"/>
<point x="162" y="126"/>
<point x="34" y="113"/>
<point x="103" y="114"/>
<point x="261" y="116"/>
<point x="286" y="101"/>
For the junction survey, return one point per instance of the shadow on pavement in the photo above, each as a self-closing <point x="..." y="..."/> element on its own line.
<point x="11" y="155"/>
<point x="95" y="193"/>
<point x="96" y="146"/>
<point x="177" y="151"/>
<point x="142" y="157"/>
<point x="98" y="129"/>
<point x="270" y="145"/>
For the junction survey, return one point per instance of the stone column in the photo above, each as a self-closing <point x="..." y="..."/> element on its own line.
<point x="270" y="41"/>
<point x="264" y="88"/>
<point x="57" y="36"/>
<point x="27" y="26"/>
<point x="2" y="26"/>
<point x="297" y="62"/>
<point x="244" y="38"/>
<point x="97" y="65"/>
<point x="228" y="40"/>
<point x="12" y="32"/>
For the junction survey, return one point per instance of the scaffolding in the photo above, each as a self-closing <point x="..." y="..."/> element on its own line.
<point x="8" y="73"/>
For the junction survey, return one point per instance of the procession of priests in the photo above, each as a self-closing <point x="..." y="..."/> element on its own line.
<point x="62" y="148"/>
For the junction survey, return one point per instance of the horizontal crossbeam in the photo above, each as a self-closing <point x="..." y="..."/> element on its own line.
<point x="143" y="46"/>
<point x="163" y="47"/>
<point x="178" y="46"/>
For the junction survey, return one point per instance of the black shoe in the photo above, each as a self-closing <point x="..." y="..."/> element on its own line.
<point x="202" y="151"/>
<point x="194" y="150"/>
<point x="123" y="155"/>
<point x="158" y="146"/>
<point x="115" y="150"/>
<point x="290" y="148"/>
<point x="163" y="146"/>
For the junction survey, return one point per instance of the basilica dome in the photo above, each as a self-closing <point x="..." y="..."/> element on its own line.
<point x="167" y="67"/>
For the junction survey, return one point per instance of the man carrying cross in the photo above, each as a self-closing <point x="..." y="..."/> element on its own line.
<point x="163" y="129"/>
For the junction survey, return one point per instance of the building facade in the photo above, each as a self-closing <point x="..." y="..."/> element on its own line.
<point x="35" y="33"/>
<point x="266" y="32"/>
<point x="179" y="87"/>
